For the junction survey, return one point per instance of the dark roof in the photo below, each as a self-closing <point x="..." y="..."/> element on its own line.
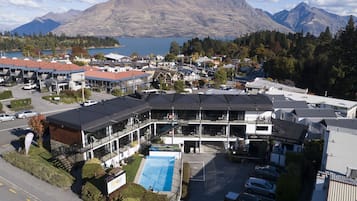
<point x="186" y="102"/>
<point x="342" y="123"/>
<point x="290" y="104"/>
<point x="214" y="102"/>
<point x="287" y="131"/>
<point x="209" y="102"/>
<point x="117" y="109"/>
<point x="249" y="102"/>
<point x="101" y="114"/>
<point x="276" y="97"/>
<point x="323" y="113"/>
<point x="160" y="101"/>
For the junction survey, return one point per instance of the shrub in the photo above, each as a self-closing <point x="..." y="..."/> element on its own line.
<point x="0" y="107"/>
<point x="91" y="193"/>
<point x="92" y="169"/>
<point x="5" y="95"/>
<point x="185" y="180"/>
<point x="117" y="92"/>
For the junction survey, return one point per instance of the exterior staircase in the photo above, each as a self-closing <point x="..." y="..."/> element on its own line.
<point x="62" y="162"/>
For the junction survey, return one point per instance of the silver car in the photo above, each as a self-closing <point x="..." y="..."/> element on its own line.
<point x="26" y="114"/>
<point x="260" y="186"/>
<point x="6" y="117"/>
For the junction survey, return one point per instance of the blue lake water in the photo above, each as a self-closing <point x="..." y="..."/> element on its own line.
<point x="142" y="46"/>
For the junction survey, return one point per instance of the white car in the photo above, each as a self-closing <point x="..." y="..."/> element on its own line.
<point x="26" y="114"/>
<point x="6" y="117"/>
<point x="89" y="102"/>
<point x="29" y="86"/>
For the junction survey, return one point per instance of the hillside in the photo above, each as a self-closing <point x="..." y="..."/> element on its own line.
<point x="165" y="18"/>
<point x="310" y="19"/>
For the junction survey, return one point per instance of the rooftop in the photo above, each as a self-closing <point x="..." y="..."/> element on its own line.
<point x="262" y="83"/>
<point x="40" y="65"/>
<point x="314" y="99"/>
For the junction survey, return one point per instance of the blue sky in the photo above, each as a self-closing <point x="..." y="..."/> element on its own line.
<point x="17" y="12"/>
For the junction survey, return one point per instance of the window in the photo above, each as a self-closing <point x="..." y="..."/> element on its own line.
<point x="262" y="128"/>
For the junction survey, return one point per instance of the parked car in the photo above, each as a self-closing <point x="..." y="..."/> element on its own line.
<point x="267" y="172"/>
<point x="29" y="86"/>
<point x="260" y="186"/>
<point x="233" y="196"/>
<point x="89" y="102"/>
<point x="6" y="117"/>
<point x="247" y="197"/>
<point x="26" y="114"/>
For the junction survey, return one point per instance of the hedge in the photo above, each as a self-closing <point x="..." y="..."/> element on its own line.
<point x="40" y="170"/>
<point x="20" y="103"/>
<point x="6" y="95"/>
<point x="0" y="107"/>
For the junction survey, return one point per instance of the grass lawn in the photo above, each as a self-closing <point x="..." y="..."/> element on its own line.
<point x="132" y="167"/>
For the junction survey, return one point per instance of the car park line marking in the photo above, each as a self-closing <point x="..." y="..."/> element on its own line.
<point x="12" y="191"/>
<point x="19" y="188"/>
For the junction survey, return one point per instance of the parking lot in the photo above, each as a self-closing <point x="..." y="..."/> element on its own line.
<point x="213" y="175"/>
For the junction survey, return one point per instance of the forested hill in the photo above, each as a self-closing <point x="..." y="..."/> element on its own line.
<point x="323" y="63"/>
<point x="33" y="44"/>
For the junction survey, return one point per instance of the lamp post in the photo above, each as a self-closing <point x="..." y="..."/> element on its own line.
<point x="83" y="82"/>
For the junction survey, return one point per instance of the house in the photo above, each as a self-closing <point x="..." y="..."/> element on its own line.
<point x="286" y="136"/>
<point x="114" y="129"/>
<point x="260" y="85"/>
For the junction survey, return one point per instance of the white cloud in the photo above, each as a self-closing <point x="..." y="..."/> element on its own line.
<point x="24" y="3"/>
<point x="341" y="7"/>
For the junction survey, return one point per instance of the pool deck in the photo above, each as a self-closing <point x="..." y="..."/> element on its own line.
<point x="176" y="180"/>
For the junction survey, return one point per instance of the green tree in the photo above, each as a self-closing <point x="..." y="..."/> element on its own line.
<point x="220" y="77"/>
<point x="179" y="86"/>
<point x="174" y="48"/>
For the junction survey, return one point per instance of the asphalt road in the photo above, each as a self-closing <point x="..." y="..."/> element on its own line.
<point x="15" y="184"/>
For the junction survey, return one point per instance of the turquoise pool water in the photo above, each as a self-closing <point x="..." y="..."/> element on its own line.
<point x="157" y="173"/>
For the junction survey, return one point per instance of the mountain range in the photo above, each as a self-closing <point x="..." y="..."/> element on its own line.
<point x="184" y="18"/>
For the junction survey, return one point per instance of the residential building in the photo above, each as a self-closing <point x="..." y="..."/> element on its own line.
<point x="113" y="130"/>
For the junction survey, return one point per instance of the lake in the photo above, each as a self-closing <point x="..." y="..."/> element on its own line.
<point x="142" y="46"/>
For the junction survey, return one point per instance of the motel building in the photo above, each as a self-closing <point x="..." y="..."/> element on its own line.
<point x="46" y="75"/>
<point x="113" y="130"/>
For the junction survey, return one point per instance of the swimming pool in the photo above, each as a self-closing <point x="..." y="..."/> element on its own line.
<point x="157" y="173"/>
